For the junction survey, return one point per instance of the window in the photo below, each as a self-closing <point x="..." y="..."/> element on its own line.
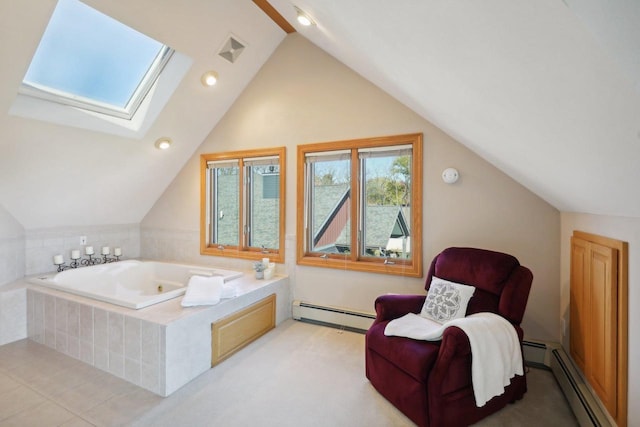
<point x="242" y="207"/>
<point x="91" y="61"/>
<point x="362" y="205"/>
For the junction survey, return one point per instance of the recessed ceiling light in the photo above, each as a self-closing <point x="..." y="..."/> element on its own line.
<point x="303" y="17"/>
<point x="209" y="78"/>
<point x="163" y="143"/>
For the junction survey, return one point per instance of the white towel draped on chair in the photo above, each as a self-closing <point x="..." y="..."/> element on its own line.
<point x="495" y="348"/>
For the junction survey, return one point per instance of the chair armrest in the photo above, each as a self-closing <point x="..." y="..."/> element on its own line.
<point x="454" y="343"/>
<point x="393" y="306"/>
<point x="452" y="369"/>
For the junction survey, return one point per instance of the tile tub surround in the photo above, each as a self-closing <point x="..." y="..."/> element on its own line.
<point x="12" y="259"/>
<point x="13" y="312"/>
<point x="159" y="348"/>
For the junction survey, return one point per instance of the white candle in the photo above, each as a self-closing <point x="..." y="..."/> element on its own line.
<point x="89" y="250"/>
<point x="117" y="251"/>
<point x="105" y="250"/>
<point x="265" y="262"/>
<point x="58" y="259"/>
<point x="75" y="254"/>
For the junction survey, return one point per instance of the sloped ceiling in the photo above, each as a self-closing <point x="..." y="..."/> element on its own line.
<point x="545" y="90"/>
<point x="548" y="91"/>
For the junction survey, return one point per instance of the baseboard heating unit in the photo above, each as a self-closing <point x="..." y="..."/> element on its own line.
<point x="535" y="354"/>
<point x="578" y="394"/>
<point x="337" y="317"/>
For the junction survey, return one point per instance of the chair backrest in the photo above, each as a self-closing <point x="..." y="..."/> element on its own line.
<point x="502" y="284"/>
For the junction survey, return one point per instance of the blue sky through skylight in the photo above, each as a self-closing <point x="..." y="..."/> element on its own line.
<point x="86" y="53"/>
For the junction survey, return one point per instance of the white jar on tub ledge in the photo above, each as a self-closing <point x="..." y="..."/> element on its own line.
<point x="270" y="271"/>
<point x="260" y="268"/>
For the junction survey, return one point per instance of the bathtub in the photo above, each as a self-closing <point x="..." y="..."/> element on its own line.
<point x="131" y="283"/>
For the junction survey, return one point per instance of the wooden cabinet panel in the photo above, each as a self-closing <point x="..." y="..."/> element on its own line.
<point x="601" y="366"/>
<point x="579" y="302"/>
<point x="239" y="329"/>
<point x="598" y="316"/>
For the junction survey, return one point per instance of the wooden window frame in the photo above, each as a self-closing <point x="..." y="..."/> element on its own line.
<point x="241" y="250"/>
<point x="353" y="260"/>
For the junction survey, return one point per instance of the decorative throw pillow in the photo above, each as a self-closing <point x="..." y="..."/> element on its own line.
<point x="446" y="300"/>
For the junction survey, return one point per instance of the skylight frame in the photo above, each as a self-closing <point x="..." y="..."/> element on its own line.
<point x="65" y="98"/>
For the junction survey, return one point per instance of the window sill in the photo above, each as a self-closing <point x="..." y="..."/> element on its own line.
<point x="249" y="255"/>
<point x="406" y="270"/>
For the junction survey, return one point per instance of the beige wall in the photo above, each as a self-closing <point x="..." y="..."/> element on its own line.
<point x="303" y="95"/>
<point x="628" y="230"/>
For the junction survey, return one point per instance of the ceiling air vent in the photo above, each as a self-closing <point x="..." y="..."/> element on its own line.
<point x="231" y="49"/>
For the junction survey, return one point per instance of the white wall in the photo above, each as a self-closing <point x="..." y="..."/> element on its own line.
<point x="302" y="95"/>
<point x="620" y="228"/>
<point x="12" y="244"/>
<point x="13" y="301"/>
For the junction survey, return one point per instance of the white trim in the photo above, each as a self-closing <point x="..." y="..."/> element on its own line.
<point x="261" y="161"/>
<point x="327" y="156"/>
<point x="387" y="151"/>
<point x="217" y="164"/>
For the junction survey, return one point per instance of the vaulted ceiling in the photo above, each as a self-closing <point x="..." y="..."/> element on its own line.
<point x="548" y="91"/>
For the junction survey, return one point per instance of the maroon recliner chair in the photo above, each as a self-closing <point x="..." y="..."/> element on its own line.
<point x="430" y="381"/>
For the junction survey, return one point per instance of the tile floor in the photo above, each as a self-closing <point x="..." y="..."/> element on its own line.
<point x="41" y="387"/>
<point x="297" y="375"/>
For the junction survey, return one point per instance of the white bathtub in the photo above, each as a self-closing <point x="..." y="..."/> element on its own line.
<point x="132" y="284"/>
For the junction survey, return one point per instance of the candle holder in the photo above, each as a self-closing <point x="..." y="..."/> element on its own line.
<point x="92" y="259"/>
<point x="62" y="267"/>
<point x="107" y="259"/>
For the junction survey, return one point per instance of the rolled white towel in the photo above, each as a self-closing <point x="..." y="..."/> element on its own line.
<point x="203" y="290"/>
<point x="228" y="291"/>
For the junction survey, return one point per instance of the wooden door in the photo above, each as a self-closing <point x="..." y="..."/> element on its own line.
<point x="598" y="318"/>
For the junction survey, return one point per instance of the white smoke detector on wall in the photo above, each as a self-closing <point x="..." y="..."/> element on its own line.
<point x="450" y="175"/>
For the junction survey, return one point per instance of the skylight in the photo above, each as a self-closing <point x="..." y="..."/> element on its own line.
<point x="89" y="60"/>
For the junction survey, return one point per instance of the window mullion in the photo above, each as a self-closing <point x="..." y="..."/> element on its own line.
<point x="211" y="186"/>
<point x="308" y="207"/>
<point x="248" y="199"/>
<point x="356" y="237"/>
<point x="242" y="224"/>
<point x="362" y="211"/>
